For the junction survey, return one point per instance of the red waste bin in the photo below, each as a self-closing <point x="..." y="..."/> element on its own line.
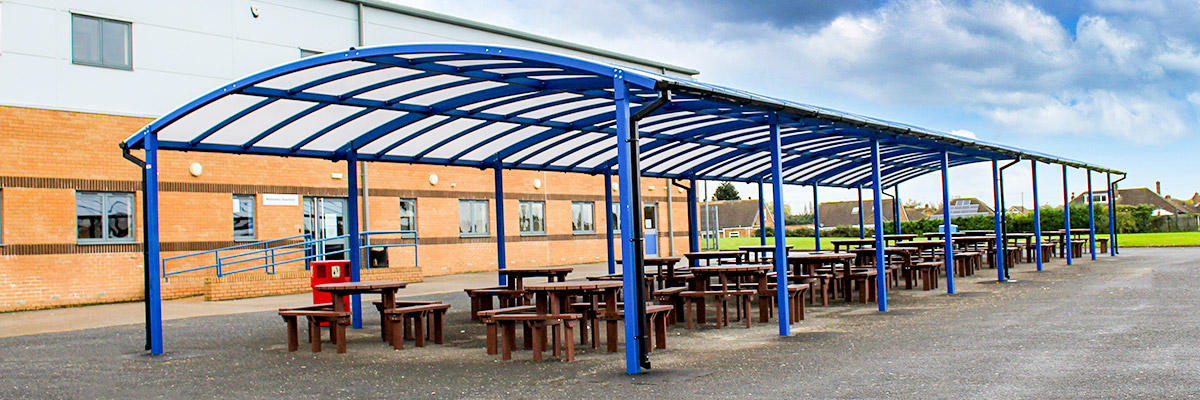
<point x="333" y="271"/>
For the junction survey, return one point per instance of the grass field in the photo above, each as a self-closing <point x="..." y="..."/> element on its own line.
<point x="1159" y="239"/>
<point x="1126" y="240"/>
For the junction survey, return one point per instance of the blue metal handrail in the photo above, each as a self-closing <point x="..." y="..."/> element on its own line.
<point x="269" y="255"/>
<point x="217" y="253"/>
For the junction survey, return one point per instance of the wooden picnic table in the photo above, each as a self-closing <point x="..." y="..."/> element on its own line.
<point x="804" y="270"/>
<point x="978" y="232"/>
<point x="695" y="257"/>
<point x="924" y="245"/>
<point x="554" y="298"/>
<point x="516" y="276"/>
<point x="734" y="275"/>
<point x="386" y="289"/>
<point x="755" y="253"/>
<point x="848" y="243"/>
<point x="661" y="277"/>
<point x="899" y="237"/>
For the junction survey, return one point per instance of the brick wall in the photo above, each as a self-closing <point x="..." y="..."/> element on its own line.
<point x="47" y="156"/>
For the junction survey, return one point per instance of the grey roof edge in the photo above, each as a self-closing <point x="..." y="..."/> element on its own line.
<point x="448" y="19"/>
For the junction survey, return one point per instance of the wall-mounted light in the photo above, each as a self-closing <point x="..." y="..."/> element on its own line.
<point x="433" y="179"/>
<point x="651" y="187"/>
<point x="537" y="183"/>
<point x="680" y="190"/>
<point x="196" y="169"/>
<point x="336" y="175"/>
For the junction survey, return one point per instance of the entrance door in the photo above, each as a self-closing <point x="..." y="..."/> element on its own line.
<point x="324" y="218"/>
<point x="650" y="224"/>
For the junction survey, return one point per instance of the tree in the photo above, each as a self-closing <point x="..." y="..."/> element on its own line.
<point x="726" y="192"/>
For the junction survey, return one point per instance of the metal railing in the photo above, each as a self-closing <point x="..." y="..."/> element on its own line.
<point x="270" y="255"/>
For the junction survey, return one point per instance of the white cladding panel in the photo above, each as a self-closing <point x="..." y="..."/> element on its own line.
<point x="184" y="48"/>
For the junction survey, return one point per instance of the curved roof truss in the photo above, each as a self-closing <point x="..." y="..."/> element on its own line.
<point x="477" y="106"/>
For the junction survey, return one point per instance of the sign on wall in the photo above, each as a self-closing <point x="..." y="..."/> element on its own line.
<point x="275" y="199"/>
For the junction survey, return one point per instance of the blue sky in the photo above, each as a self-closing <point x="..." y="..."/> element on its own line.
<point x="1105" y="81"/>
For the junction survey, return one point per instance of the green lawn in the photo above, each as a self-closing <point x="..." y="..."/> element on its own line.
<point x="1126" y="240"/>
<point x="801" y="243"/>
<point x="1158" y="239"/>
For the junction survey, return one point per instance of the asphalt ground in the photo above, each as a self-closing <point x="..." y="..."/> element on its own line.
<point x="1123" y="327"/>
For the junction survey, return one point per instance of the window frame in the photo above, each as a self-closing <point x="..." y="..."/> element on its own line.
<point x="614" y="218"/>
<point x="401" y="217"/>
<point x="2" y="218"/>
<point x="104" y="205"/>
<point x="486" y="217"/>
<point x="522" y="206"/>
<point x="591" y="207"/>
<point x="253" y="237"/>
<point x="102" y="64"/>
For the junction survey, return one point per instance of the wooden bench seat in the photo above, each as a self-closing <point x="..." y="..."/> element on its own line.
<point x="563" y="326"/>
<point x="929" y="271"/>
<point x="337" y="321"/>
<point x="416" y="321"/>
<point x="694" y="305"/>
<point x="482" y="298"/>
<point x="671" y="296"/>
<point x="657" y="315"/>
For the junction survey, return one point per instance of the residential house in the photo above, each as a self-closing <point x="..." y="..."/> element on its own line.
<point x="733" y="218"/>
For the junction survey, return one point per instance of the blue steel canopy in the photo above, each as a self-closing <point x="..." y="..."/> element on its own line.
<point x="483" y="106"/>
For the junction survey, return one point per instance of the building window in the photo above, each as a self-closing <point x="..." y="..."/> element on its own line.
<point x="582" y="213"/>
<point x="102" y="217"/>
<point x="101" y="42"/>
<point x="1" y="216"/>
<point x="408" y="217"/>
<point x="614" y="217"/>
<point x="243" y="217"/>
<point x="473" y="217"/>
<point x="532" y="218"/>
<point x="1100" y="198"/>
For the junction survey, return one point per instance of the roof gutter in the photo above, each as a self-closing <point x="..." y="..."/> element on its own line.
<point x="499" y="30"/>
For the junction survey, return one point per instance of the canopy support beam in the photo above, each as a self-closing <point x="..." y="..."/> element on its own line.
<point x="947" y="236"/>
<point x="1037" y="214"/>
<point x="608" y="219"/>
<point x="1091" y="216"/>
<point x="881" y="280"/>
<point x="501" y="256"/>
<point x="355" y="253"/>
<point x="1112" y="217"/>
<point x="896" y="206"/>
<point x="862" y="228"/>
<point x="1066" y="243"/>
<point x="153" y="256"/>
<point x="762" y="209"/>
<point x="998" y="224"/>
<point x="816" y="218"/>
<point x="781" y="263"/>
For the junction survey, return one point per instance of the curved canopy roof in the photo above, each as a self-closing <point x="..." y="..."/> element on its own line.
<point x="474" y="105"/>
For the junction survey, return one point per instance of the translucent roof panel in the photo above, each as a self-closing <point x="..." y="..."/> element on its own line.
<point x="485" y="106"/>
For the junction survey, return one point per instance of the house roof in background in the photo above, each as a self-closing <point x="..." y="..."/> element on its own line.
<point x="731" y="214"/>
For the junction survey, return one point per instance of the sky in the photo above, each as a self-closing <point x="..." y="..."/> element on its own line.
<point x="1109" y="82"/>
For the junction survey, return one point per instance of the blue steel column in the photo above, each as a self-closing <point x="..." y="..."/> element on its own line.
<point x="762" y="217"/>
<point x="1066" y="217"/>
<point x="608" y="234"/>
<point x="862" y="228"/>
<point x="355" y="250"/>
<point x="817" y="218"/>
<point x="781" y="279"/>
<point x="947" y="236"/>
<point x="877" y="205"/>
<point x="501" y="257"/>
<point x="1037" y="215"/>
<point x="998" y="227"/>
<point x="153" y="257"/>
<point x="1112" y="218"/>
<point x="896" y="208"/>
<point x="1091" y="215"/>
<point x="629" y="258"/>
<point x="693" y="219"/>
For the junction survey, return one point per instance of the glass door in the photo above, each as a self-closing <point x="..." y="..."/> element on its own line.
<point x="324" y="218"/>
<point x="650" y="225"/>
